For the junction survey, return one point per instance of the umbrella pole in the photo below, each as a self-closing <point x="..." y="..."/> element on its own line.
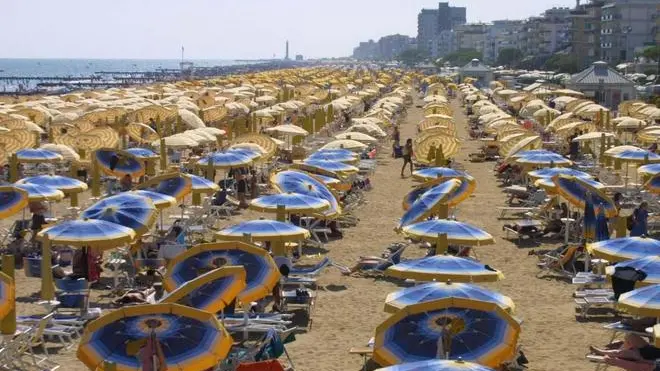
<point x="441" y="244"/>
<point x="8" y="324"/>
<point x="47" y="292"/>
<point x="96" y="177"/>
<point x="278" y="247"/>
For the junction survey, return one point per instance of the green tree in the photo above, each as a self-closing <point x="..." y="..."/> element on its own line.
<point x="411" y="57"/>
<point x="651" y="52"/>
<point x="462" y="57"/>
<point x="563" y="63"/>
<point x="509" y="57"/>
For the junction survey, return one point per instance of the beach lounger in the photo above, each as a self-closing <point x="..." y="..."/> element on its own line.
<point x="621" y="328"/>
<point x="364" y="352"/>
<point x="560" y="262"/>
<point x="17" y="353"/>
<point x="299" y="298"/>
<point x="583" y="305"/>
<point x="312" y="271"/>
<point x="504" y="211"/>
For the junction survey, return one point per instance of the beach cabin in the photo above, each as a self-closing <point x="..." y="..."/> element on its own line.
<point x="603" y="84"/>
<point x="477" y="70"/>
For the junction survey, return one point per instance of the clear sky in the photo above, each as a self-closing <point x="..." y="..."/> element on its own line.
<point x="220" y="29"/>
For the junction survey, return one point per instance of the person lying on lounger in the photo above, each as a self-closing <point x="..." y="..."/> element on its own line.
<point x="634" y="354"/>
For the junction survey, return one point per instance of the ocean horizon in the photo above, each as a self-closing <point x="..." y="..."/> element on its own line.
<point x="41" y="67"/>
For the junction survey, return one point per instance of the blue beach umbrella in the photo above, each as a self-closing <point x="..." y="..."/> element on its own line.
<point x="176" y="185"/>
<point x="211" y="291"/>
<point x="202" y="185"/>
<point x="118" y="163"/>
<point x="189" y="339"/>
<point x="40" y="193"/>
<point x="589" y="219"/>
<point x="533" y="152"/>
<point x="341" y="155"/>
<point x="328" y="167"/>
<point x="575" y="190"/>
<point x="653" y="184"/>
<point x="226" y="160"/>
<point x="457" y="232"/>
<point x="132" y="211"/>
<point x="12" y="200"/>
<point x="261" y="271"/>
<point x="543" y="159"/>
<point x="431" y="173"/>
<point x="444" y="268"/>
<point x="35" y="155"/>
<point x="437" y="365"/>
<point x="466" y="188"/>
<point x="602" y="230"/>
<point x="642" y="302"/>
<point x="264" y="230"/>
<point x="253" y="154"/>
<point x="428" y="203"/>
<point x="637" y="156"/>
<point x="63" y="183"/>
<point x="650" y="265"/>
<point x="626" y="248"/>
<point x="650" y="169"/>
<point x="303" y="183"/>
<point x="161" y="201"/>
<point x="294" y="203"/>
<point x="451" y="328"/>
<point x="549" y="172"/>
<point x="439" y="290"/>
<point x="142" y="153"/>
<point x="88" y="232"/>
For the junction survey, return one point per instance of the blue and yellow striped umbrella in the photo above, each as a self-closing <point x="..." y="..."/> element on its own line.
<point x="306" y="184"/>
<point x="126" y="209"/>
<point x="202" y="185"/>
<point x="65" y="184"/>
<point x="262" y="274"/>
<point x="653" y="184"/>
<point x="457" y="232"/>
<point x="642" y="302"/>
<point x="589" y="219"/>
<point x="7" y="294"/>
<point x="547" y="184"/>
<point x="175" y="185"/>
<point x="211" y="291"/>
<point x="636" y="156"/>
<point x="226" y="160"/>
<point x="327" y="167"/>
<point x="650" y="265"/>
<point x="439" y="290"/>
<point x="161" y="201"/>
<point x="342" y="155"/>
<point x="428" y="203"/>
<point x="532" y="152"/>
<point x="545" y="159"/>
<point x="467" y="187"/>
<point x="118" y="163"/>
<point x="431" y="173"/>
<point x="575" y="191"/>
<point x="264" y="230"/>
<point x="88" y="232"/>
<point x="190" y="339"/>
<point x="143" y="153"/>
<point x="650" y="169"/>
<point x="294" y="203"/>
<point x="36" y="155"/>
<point x="437" y="365"/>
<point x="12" y="200"/>
<point x="37" y="192"/>
<point x="456" y="328"/>
<point x="443" y="268"/>
<point x="626" y="248"/>
<point x="550" y="172"/>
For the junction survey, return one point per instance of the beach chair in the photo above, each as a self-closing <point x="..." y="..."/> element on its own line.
<point x="311" y="271"/>
<point x="560" y="262"/>
<point x="17" y="353"/>
<point x="72" y="295"/>
<point x="300" y="298"/>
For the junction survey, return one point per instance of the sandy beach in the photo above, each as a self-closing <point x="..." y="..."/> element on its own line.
<point x="348" y="309"/>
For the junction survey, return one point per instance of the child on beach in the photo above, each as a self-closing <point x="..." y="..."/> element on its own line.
<point x="407" y="156"/>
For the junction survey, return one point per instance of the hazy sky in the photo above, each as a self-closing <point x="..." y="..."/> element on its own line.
<point x="220" y="29"/>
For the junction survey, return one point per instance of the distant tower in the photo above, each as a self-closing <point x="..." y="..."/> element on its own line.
<point x="286" y="57"/>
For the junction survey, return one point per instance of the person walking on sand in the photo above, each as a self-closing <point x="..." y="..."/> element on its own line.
<point x="396" y="137"/>
<point x="407" y="156"/>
